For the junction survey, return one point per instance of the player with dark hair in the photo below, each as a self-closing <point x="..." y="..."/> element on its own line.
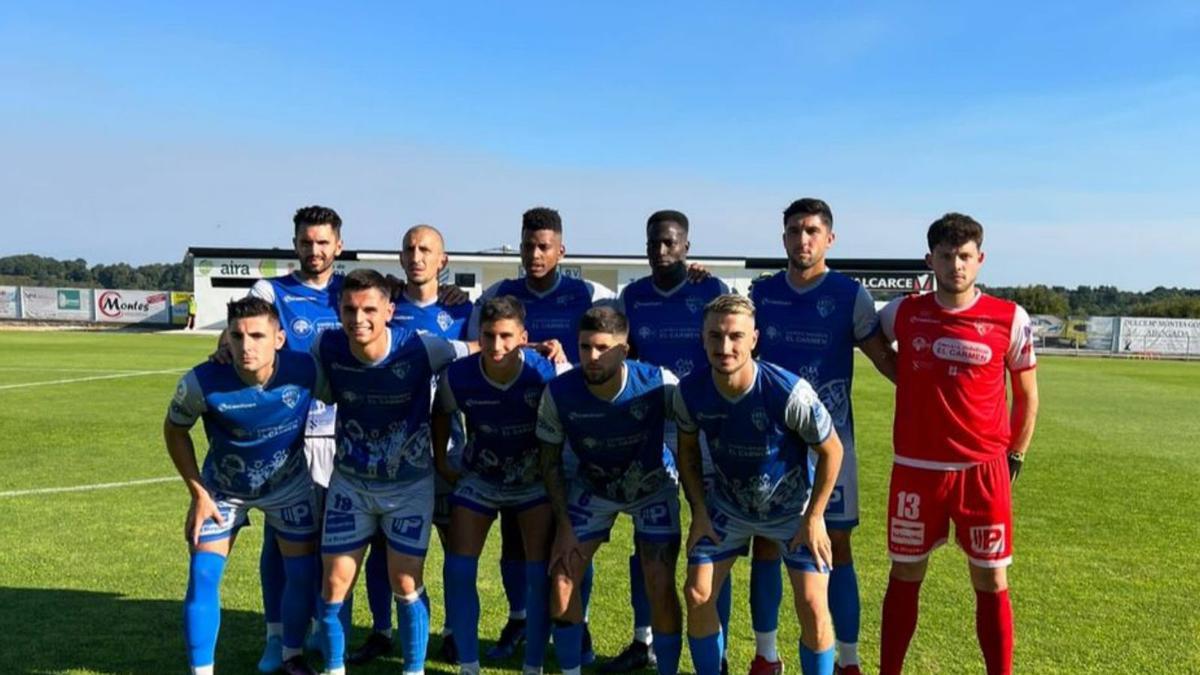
<point x="554" y="303"/>
<point x="383" y="479"/>
<point x="419" y="308"/>
<point x="764" y="427"/>
<point x="613" y="412"/>
<point x="665" y="311"/>
<point x="958" y="442"/>
<point x="254" y="411"/>
<point x="813" y="317"/>
<point x="498" y="391"/>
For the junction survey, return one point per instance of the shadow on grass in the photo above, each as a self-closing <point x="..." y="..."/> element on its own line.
<point x="57" y="630"/>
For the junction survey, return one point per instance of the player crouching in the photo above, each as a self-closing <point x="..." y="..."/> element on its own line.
<point x="764" y="426"/>
<point x="254" y="411"/>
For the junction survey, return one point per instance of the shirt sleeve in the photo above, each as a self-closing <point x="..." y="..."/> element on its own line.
<point x="601" y="294"/>
<point x="560" y="368"/>
<point x="188" y="403"/>
<point x="866" y="319"/>
<point x="442" y="351"/>
<point x="473" y="322"/>
<point x="683" y="417"/>
<point x="444" y="401"/>
<point x="670" y="384"/>
<point x="1020" y="354"/>
<point x="887" y="319"/>
<point x="263" y="289"/>
<point x="806" y="415"/>
<point x="549" y="427"/>
<point x="619" y="303"/>
<point x="722" y="286"/>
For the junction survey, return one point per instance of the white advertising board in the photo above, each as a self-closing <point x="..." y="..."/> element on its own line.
<point x="120" y="306"/>
<point x="1159" y="336"/>
<point x="8" y="302"/>
<point x="61" y="304"/>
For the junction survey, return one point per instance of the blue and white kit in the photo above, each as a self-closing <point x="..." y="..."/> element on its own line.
<point x="811" y="331"/>
<point x="763" y="465"/>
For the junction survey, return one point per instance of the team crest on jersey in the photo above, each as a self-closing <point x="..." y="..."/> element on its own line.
<point x="825" y="306"/>
<point x="533" y="396"/>
<point x="444" y="320"/>
<point x="835" y="396"/>
<point x="694" y="304"/>
<point x="302" y="327"/>
<point x="401" y="369"/>
<point x="683" y="367"/>
<point x="759" y="418"/>
<point x="291" y="396"/>
<point x="639" y="409"/>
<point x="810" y="372"/>
<point x="983" y="328"/>
<point x="181" y="392"/>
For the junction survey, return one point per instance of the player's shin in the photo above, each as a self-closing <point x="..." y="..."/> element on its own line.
<point x="707" y="652"/>
<point x="725" y="603"/>
<point x="413" y="620"/>
<point x="814" y="662"/>
<point x="845" y="608"/>
<point x="667" y="648"/>
<point x="297" y="601"/>
<point x="379" y="587"/>
<point x="900" y="607"/>
<point x="202" y="607"/>
<point x="273" y="576"/>
<point x="994" y="628"/>
<point x="537" y="601"/>
<point x="333" y="637"/>
<point x="766" y="594"/>
<point x="462" y="606"/>
<point x="639" y="600"/>
<point x="568" y="646"/>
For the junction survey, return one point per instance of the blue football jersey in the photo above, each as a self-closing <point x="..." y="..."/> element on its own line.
<point x="382" y="430"/>
<point x="255" y="433"/>
<point x="620" y="443"/>
<point x="444" y="321"/>
<point x="501" y="419"/>
<point x="553" y="315"/>
<point x="665" y="326"/>
<point x="759" y="443"/>
<point x="304" y="311"/>
<point x="812" y="332"/>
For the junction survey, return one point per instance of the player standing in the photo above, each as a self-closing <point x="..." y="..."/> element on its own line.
<point x="553" y="303"/>
<point x="498" y="390"/>
<point x="383" y="479"/>
<point x="665" y="312"/>
<point x="764" y="427"/>
<point x="957" y="442"/>
<point x="613" y="412"/>
<point x="813" y="317"/>
<point x="419" y="309"/>
<point x="254" y="411"/>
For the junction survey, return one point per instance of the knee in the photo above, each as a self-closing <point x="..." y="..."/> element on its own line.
<point x="406" y="583"/>
<point x="909" y="571"/>
<point x="696" y="597"/>
<point x="989" y="579"/>
<point x="764" y="549"/>
<point x="840" y="543"/>
<point x="561" y="588"/>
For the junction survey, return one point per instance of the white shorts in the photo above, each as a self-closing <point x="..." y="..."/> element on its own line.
<point x="319" y="452"/>
<point x="292" y="509"/>
<point x="655" y="516"/>
<point x="477" y="494"/>
<point x="736" y="531"/>
<point x="355" y="510"/>
<point x="842" y="511"/>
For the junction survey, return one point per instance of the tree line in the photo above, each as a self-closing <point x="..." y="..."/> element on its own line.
<point x="36" y="270"/>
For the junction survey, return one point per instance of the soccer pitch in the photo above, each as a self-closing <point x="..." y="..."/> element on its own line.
<point x="1106" y="575"/>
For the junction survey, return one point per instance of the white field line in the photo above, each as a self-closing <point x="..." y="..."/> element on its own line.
<point x="61" y="369"/>
<point x="86" y="488"/>
<point x="136" y="373"/>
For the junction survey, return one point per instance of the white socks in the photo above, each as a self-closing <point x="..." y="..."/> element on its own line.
<point x="764" y="645"/>
<point x="643" y="634"/>
<point x="847" y="653"/>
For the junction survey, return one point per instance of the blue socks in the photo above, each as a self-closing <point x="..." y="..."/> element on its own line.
<point x="666" y="648"/>
<point x="706" y="653"/>
<point x="413" y="618"/>
<point x="568" y="644"/>
<point x="272" y="576"/>
<point x="512" y="576"/>
<point x="537" y="620"/>
<point x="766" y="592"/>
<point x="202" y="607"/>
<point x="334" y="637"/>
<point x="844" y="603"/>
<point x="637" y="593"/>
<point x="379" y="587"/>
<point x="297" y="602"/>
<point x="462" y="593"/>
<point x="816" y="663"/>
<point x="725" y="603"/>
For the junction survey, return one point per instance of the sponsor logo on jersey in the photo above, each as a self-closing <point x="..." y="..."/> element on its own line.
<point x="408" y="528"/>
<point x="590" y="443"/>
<point x="987" y="539"/>
<point x="291" y="396"/>
<point x="773" y="333"/>
<point x="301" y="327"/>
<point x="962" y="351"/>
<point x="919" y="343"/>
<point x="907" y="533"/>
<point x="181" y="392"/>
<point x="480" y="401"/>
<point x="584" y="416"/>
<point x="638" y="304"/>
<point x="299" y="515"/>
<point x="694" y="303"/>
<point x="837" y="502"/>
<point x="657" y="514"/>
<point x="444" y="320"/>
<point x="339" y="523"/>
<point x="288" y="298"/>
<point x="226" y="407"/>
<point x="826" y="306"/>
<point x="645" y="332"/>
<point x="772" y="301"/>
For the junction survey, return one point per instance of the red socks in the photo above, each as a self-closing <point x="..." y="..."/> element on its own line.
<point x="994" y="627"/>
<point x="900" y="605"/>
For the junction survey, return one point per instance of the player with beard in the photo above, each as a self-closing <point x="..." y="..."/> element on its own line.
<point x="613" y="412"/>
<point x="665" y="311"/>
<point x="554" y="304"/>
<point x="958" y="441"/>
<point x="813" y="318"/>
<point x="775" y="457"/>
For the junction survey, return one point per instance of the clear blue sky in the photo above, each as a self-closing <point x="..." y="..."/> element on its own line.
<point x="130" y="132"/>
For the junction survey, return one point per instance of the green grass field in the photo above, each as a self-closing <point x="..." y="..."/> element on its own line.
<point x="1106" y="578"/>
